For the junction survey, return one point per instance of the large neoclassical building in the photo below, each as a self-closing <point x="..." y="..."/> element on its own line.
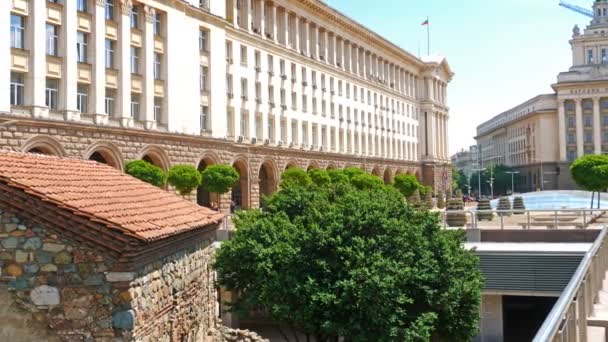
<point x="543" y="135"/>
<point x="261" y="85"/>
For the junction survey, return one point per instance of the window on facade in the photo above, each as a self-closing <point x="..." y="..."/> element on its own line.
<point x="243" y="54"/>
<point x="204" y="118"/>
<point x="17" y="31"/>
<point x="109" y="53"/>
<point x="258" y="91"/>
<point x="17" y="89"/>
<point x="605" y="137"/>
<point x="571" y="138"/>
<point x="204" y="78"/>
<point x="203" y="4"/>
<point x="110" y="101"/>
<point x="282" y="66"/>
<point x="244" y="94"/>
<point x="590" y="59"/>
<point x="571" y="155"/>
<point x="203" y="38"/>
<point x="157" y="65"/>
<point x="156" y="24"/>
<point x="134" y="17"/>
<point x="135" y="105"/>
<point x="81" y="5"/>
<point x="257" y="60"/>
<point x="588" y="138"/>
<point x="604" y="57"/>
<point x="588" y="121"/>
<point x="271" y="94"/>
<point x="571" y="121"/>
<point x="81" y="46"/>
<point x="270" y="64"/>
<point x="52" y="93"/>
<point x="158" y="109"/>
<point x="52" y="39"/>
<point x="604" y="120"/>
<point x="134" y="60"/>
<point x="229" y="84"/>
<point x="109" y="9"/>
<point x="82" y="98"/>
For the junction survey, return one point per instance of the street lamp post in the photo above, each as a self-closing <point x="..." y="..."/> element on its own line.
<point x="479" y="179"/>
<point x="513" y="173"/>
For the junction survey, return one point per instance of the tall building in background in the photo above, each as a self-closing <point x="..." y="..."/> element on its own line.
<point x="261" y="85"/>
<point x="542" y="136"/>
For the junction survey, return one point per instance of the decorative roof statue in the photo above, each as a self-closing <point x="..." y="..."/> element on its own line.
<point x="576" y="31"/>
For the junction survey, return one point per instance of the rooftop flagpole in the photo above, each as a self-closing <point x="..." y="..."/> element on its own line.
<point x="428" y="35"/>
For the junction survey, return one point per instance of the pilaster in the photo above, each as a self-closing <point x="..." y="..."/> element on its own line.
<point x="148" y="67"/>
<point x="69" y="82"/>
<point x="597" y="127"/>
<point x="5" y="56"/>
<point x="579" y="128"/>
<point x="35" y="42"/>
<point x="124" y="72"/>
<point x="98" y="86"/>
<point x="561" y="124"/>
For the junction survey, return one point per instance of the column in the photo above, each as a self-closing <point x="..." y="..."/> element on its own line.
<point x="98" y="86"/>
<point x="579" y="128"/>
<point x="69" y="77"/>
<point x="5" y="56"/>
<point x="298" y="26"/>
<point x="275" y="26"/>
<point x="235" y="13"/>
<point x="249" y="18"/>
<point x="262" y="18"/>
<point x="124" y="72"/>
<point x="561" y="127"/>
<point x="286" y="27"/>
<point x="324" y="46"/>
<point x="35" y="42"/>
<point x="305" y="45"/>
<point x="597" y="127"/>
<point x="148" y="67"/>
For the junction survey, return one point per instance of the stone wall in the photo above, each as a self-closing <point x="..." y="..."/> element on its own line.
<point x="54" y="289"/>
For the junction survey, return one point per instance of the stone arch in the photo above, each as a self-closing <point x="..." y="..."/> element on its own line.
<point x="240" y="192"/>
<point x="388" y="176"/>
<point x="312" y="165"/>
<point x="105" y="152"/>
<point x="292" y="163"/>
<point x="203" y="196"/>
<point x="330" y="166"/>
<point x="155" y="155"/>
<point x="267" y="178"/>
<point x="376" y="171"/>
<point x="43" y="144"/>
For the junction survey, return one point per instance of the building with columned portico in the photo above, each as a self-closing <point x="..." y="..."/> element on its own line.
<point x="261" y="85"/>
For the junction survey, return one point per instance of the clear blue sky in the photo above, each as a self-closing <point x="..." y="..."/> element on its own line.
<point x="502" y="52"/>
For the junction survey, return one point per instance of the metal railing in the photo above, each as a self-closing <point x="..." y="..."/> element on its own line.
<point x="567" y="321"/>
<point x="528" y="218"/>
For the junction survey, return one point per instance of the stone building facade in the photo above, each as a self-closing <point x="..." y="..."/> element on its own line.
<point x="75" y="265"/>
<point x="252" y="82"/>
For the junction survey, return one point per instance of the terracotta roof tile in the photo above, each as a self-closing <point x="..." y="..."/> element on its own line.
<point x="105" y="194"/>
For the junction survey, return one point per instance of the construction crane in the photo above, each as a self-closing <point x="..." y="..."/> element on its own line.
<point x="577" y="9"/>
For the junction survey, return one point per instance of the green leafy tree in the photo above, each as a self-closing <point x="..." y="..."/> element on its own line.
<point x="406" y="184"/>
<point x="351" y="172"/>
<point x="366" y="181"/>
<point x="146" y="172"/>
<point x="184" y="178"/>
<point x="459" y="180"/>
<point x="219" y="178"/>
<point x="353" y="263"/>
<point x="319" y="177"/>
<point x="590" y="172"/>
<point x="295" y="176"/>
<point x="338" y="177"/>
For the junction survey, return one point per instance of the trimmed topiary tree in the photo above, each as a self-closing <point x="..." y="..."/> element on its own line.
<point x="504" y="204"/>
<point x="441" y="200"/>
<point x="295" y="176"/>
<point x="518" y="204"/>
<point x="456" y="219"/>
<point x="590" y="172"/>
<point x="366" y="181"/>
<point x="484" y="210"/>
<point x="184" y="178"/>
<point x="319" y="177"/>
<point x="219" y="178"/>
<point x="146" y="172"/>
<point x="406" y="184"/>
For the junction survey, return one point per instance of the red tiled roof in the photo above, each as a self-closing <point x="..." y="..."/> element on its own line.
<point x="104" y="194"/>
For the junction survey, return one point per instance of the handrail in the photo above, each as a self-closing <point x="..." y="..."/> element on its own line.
<point x="555" y="318"/>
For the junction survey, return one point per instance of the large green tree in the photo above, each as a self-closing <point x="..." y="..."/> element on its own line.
<point x="406" y="184"/>
<point x="460" y="180"/>
<point x="219" y="178"/>
<point x="590" y="172"/>
<point x="349" y="261"/>
<point x="146" y="172"/>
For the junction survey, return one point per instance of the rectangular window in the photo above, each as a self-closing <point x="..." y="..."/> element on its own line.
<point x="109" y="53"/>
<point x="17" y="31"/>
<point x="134" y="60"/>
<point x="52" y="39"/>
<point x="158" y="109"/>
<point x="604" y="57"/>
<point x="588" y="121"/>
<point x="81" y="5"/>
<point x="202" y="40"/>
<point x="109" y="9"/>
<point x="81" y="47"/>
<point x="17" y="89"/>
<point x="110" y="102"/>
<point x="157" y="65"/>
<point x="229" y="52"/>
<point x="82" y="98"/>
<point x="52" y="93"/>
<point x="244" y="89"/>
<point x="571" y="121"/>
<point x="257" y="60"/>
<point x="204" y="80"/>
<point x="135" y="105"/>
<point x="134" y="17"/>
<point x="156" y="25"/>
<point x="588" y="138"/>
<point x="203" y="4"/>
<point x="243" y="54"/>
<point x="270" y="64"/>
<point x="204" y="118"/>
<point x="571" y="138"/>
<point x="229" y="85"/>
<point x="590" y="59"/>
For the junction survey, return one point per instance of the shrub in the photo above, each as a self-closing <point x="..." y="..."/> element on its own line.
<point x="319" y="177"/>
<point x="219" y="178"/>
<point x="366" y="181"/>
<point x="484" y="204"/>
<point x="338" y="177"/>
<point x="184" y="178"/>
<point x="406" y="184"/>
<point x="504" y="204"/>
<point x="295" y="176"/>
<point x="146" y="172"/>
<point x="351" y="172"/>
